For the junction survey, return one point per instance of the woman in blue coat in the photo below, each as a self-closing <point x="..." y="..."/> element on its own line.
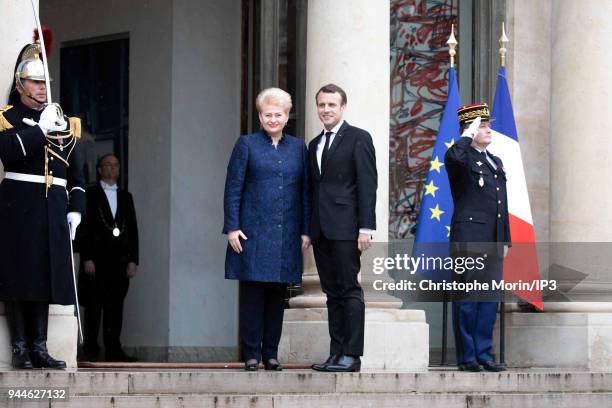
<point x="267" y="216"/>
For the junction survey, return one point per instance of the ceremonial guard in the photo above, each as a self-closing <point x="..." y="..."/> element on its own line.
<point x="41" y="201"/>
<point x="479" y="227"/>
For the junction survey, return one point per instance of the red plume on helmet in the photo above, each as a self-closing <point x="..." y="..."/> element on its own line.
<point x="47" y="37"/>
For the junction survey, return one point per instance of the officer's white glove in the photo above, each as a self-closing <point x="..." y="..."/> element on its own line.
<point x="473" y="128"/>
<point x="505" y="250"/>
<point x="51" y="120"/>
<point x="74" y="219"/>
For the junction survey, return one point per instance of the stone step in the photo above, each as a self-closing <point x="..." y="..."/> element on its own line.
<point x="235" y="382"/>
<point x="350" y="400"/>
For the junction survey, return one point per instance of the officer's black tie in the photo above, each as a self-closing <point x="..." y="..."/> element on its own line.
<point x="325" y="150"/>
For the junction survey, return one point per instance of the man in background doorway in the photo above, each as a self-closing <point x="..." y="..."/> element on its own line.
<point x="108" y="243"/>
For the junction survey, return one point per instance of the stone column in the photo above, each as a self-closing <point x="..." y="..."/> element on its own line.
<point x="348" y="44"/>
<point x="15" y="32"/>
<point x="560" y="47"/>
<point x="581" y="207"/>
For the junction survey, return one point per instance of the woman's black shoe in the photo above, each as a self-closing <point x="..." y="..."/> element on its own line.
<point x="251" y="365"/>
<point x="272" y="364"/>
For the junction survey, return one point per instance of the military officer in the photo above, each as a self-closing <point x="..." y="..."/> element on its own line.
<point x="41" y="201"/>
<point x="479" y="227"/>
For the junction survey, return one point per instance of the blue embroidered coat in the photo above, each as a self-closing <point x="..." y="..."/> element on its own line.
<point x="267" y="196"/>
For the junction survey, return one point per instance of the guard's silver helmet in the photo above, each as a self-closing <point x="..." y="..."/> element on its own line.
<point x="31" y="65"/>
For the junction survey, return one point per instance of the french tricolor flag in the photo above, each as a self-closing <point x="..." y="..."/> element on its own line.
<point x="521" y="263"/>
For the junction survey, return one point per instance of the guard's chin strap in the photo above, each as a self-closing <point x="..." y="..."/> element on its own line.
<point x="29" y="95"/>
<point x="34" y="99"/>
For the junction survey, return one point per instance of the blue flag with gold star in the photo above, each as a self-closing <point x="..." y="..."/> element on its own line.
<point x="436" y="210"/>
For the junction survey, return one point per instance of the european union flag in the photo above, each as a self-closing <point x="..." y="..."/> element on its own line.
<point x="433" y="227"/>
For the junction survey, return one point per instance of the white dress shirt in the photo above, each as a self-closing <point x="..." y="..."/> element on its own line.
<point x="320" y="148"/>
<point x="111" y="196"/>
<point x="321" y="144"/>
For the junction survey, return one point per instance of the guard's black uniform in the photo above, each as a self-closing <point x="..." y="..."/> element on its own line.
<point x="35" y="260"/>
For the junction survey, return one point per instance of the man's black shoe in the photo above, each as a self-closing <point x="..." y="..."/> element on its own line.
<point x="472" y="367"/>
<point x="345" y="364"/>
<point x="251" y="364"/>
<point x="323" y="366"/>
<point x="272" y="364"/>
<point x="491" y="366"/>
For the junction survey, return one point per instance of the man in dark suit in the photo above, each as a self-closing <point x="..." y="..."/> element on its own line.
<point x="108" y="243"/>
<point x="479" y="227"/>
<point x="343" y="170"/>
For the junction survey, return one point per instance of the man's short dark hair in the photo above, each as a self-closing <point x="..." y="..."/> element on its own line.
<point x="104" y="156"/>
<point x="332" y="88"/>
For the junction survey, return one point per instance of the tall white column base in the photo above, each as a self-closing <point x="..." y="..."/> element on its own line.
<point x="574" y="340"/>
<point x="394" y="339"/>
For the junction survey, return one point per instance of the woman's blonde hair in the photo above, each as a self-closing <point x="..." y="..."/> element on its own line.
<point x="273" y="96"/>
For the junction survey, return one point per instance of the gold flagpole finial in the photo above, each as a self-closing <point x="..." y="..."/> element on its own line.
<point x="503" y="40"/>
<point x="452" y="44"/>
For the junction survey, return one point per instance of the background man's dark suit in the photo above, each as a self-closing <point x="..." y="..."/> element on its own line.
<point x="344" y="200"/>
<point x="106" y="291"/>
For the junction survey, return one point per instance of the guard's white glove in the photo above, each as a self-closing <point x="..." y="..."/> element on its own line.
<point x="505" y="250"/>
<point x="51" y="120"/>
<point x="473" y="128"/>
<point x="74" y="219"/>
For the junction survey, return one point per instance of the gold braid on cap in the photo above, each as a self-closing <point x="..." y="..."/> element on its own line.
<point x="484" y="112"/>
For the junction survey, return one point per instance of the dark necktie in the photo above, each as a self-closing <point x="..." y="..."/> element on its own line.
<point x="489" y="160"/>
<point x="325" y="150"/>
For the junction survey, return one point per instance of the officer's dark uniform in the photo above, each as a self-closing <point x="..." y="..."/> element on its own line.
<point x="41" y="186"/>
<point x="479" y="226"/>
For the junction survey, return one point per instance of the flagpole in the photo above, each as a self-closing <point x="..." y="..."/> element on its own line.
<point x="503" y="41"/>
<point x="452" y="44"/>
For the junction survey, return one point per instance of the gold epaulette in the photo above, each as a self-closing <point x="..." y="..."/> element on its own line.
<point x="75" y="126"/>
<point x="4" y="124"/>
